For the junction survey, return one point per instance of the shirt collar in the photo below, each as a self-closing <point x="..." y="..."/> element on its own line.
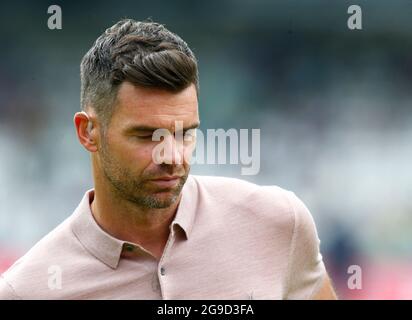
<point x="108" y="249"/>
<point x="186" y="211"/>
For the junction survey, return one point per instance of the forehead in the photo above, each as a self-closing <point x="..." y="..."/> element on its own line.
<point x="154" y="107"/>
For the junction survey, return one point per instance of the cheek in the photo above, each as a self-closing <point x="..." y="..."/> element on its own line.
<point x="133" y="155"/>
<point x="141" y="155"/>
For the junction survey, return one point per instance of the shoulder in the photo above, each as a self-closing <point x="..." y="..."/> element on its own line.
<point x="31" y="271"/>
<point x="269" y="204"/>
<point x="214" y="185"/>
<point x="6" y="290"/>
<point x="270" y="214"/>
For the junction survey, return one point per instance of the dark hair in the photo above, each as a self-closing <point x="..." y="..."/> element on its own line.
<point x="143" y="53"/>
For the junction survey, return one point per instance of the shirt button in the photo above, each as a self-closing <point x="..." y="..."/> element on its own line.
<point x="129" y="247"/>
<point x="162" y="271"/>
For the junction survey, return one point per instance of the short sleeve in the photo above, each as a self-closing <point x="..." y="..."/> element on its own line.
<point x="306" y="269"/>
<point x="6" y="291"/>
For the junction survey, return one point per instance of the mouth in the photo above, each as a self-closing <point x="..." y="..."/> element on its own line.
<point x="166" y="182"/>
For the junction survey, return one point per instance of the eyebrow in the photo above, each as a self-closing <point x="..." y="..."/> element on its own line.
<point x="144" y="128"/>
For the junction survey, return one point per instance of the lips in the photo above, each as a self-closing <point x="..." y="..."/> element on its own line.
<point x="166" y="182"/>
<point x="167" y="178"/>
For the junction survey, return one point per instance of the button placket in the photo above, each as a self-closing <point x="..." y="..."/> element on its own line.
<point x="162" y="268"/>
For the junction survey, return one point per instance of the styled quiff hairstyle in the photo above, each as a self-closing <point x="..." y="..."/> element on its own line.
<point x="143" y="53"/>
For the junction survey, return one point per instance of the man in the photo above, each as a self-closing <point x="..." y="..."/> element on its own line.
<point x="148" y="229"/>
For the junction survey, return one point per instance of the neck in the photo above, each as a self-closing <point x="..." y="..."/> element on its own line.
<point x="127" y="221"/>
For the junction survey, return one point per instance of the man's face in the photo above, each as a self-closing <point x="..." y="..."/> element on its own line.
<point x="125" y="152"/>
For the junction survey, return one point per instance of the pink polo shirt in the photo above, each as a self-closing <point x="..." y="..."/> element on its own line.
<point x="230" y="239"/>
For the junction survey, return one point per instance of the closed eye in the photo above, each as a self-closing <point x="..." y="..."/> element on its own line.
<point x="142" y="136"/>
<point x="145" y="137"/>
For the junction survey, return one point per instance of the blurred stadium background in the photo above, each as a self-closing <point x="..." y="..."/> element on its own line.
<point x="334" y="107"/>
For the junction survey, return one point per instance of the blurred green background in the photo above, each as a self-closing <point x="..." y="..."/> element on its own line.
<point x="334" y="107"/>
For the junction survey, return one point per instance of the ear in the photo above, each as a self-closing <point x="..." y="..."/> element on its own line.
<point x="86" y="130"/>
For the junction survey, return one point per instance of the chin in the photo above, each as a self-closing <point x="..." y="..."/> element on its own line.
<point x="157" y="200"/>
<point x="168" y="198"/>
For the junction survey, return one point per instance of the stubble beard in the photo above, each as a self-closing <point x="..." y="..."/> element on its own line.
<point x="136" y="190"/>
